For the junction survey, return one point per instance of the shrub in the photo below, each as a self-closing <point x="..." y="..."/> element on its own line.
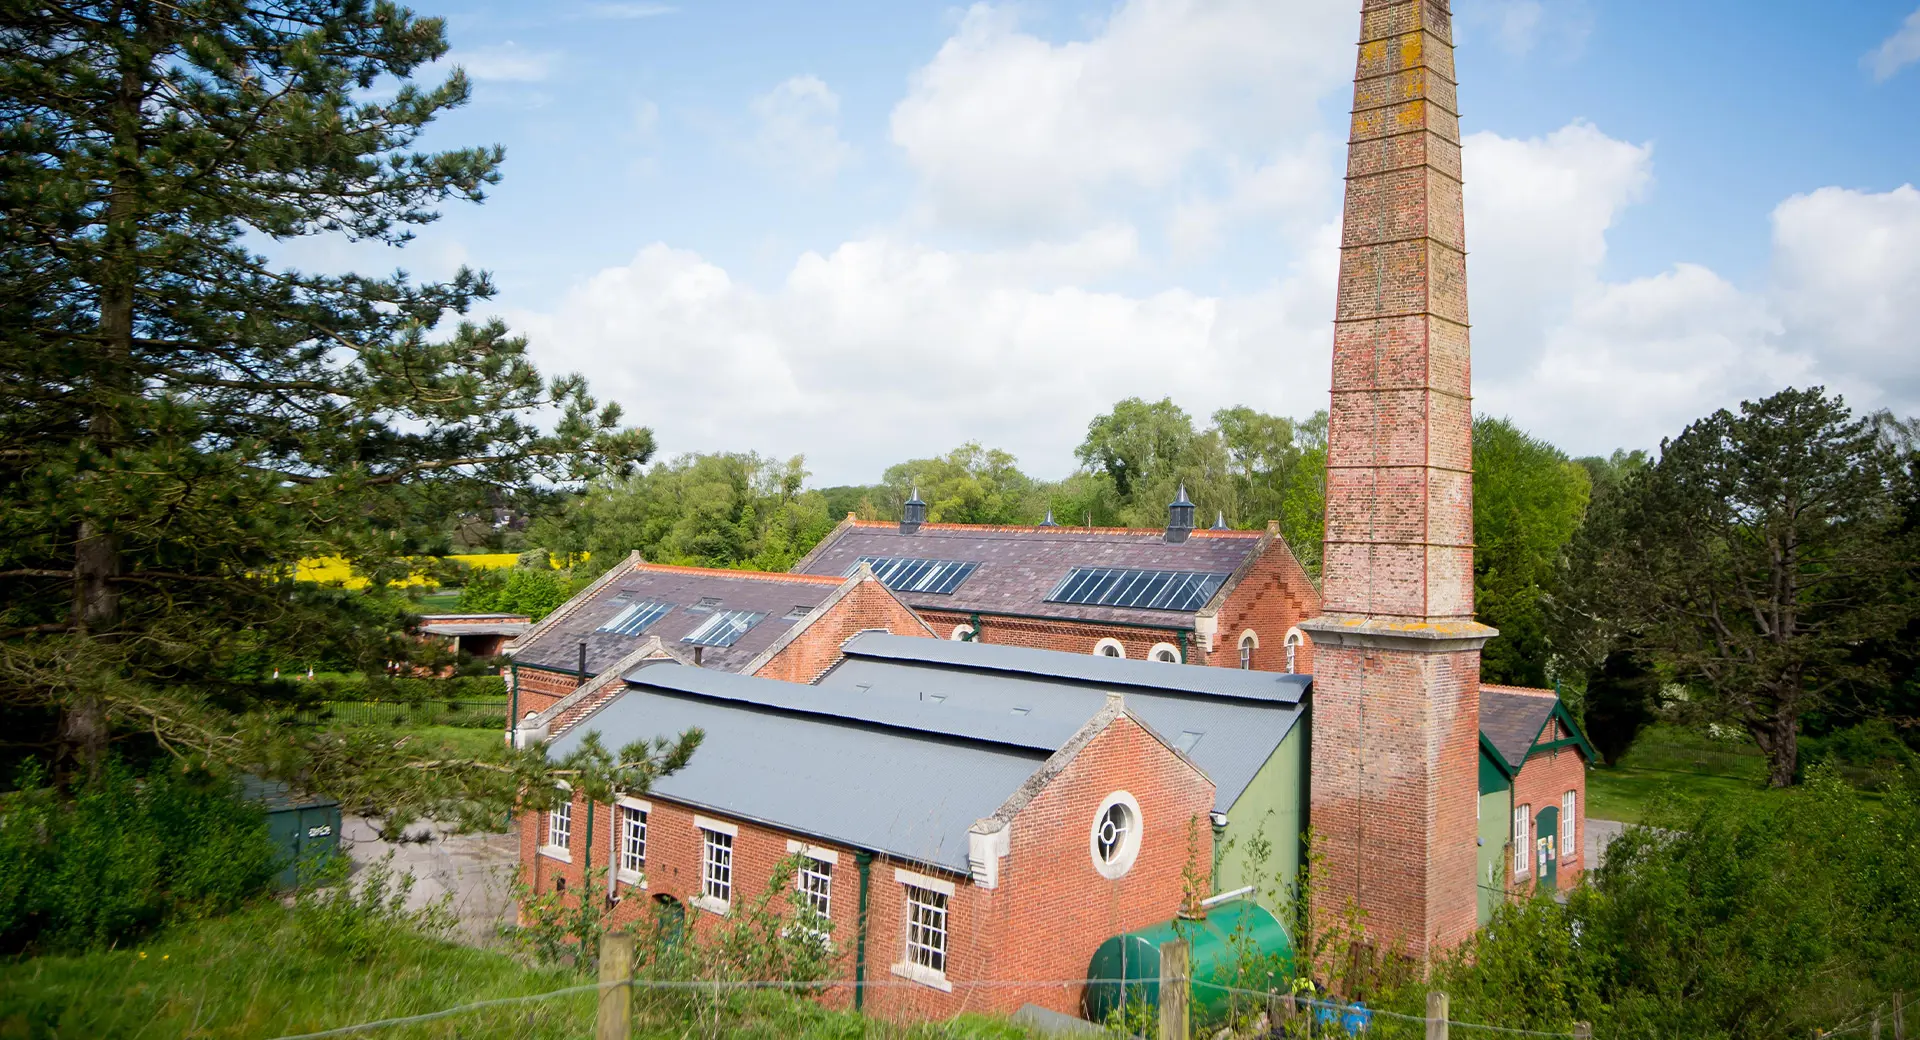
<point x="125" y="855"/>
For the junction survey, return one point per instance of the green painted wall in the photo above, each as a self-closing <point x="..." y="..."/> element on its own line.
<point x="1272" y="809"/>
<point x="1496" y="820"/>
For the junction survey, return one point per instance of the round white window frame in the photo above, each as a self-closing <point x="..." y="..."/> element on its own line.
<point x="960" y="633"/>
<point x="1100" y="648"/>
<point x="1122" y="861"/>
<point x="1164" y="648"/>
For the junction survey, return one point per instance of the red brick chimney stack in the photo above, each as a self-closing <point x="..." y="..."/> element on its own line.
<point x="1397" y="654"/>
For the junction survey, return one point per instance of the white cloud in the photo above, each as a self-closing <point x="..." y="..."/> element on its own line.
<point x="1009" y="130"/>
<point x="1896" y="52"/>
<point x="799" y="129"/>
<point x="507" y="62"/>
<point x="932" y="347"/>
<point x="1846" y="283"/>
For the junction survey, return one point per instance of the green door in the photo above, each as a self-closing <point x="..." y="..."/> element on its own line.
<point x="1546" y="854"/>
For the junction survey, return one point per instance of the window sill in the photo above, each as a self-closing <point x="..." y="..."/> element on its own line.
<point x="711" y="905"/>
<point x="632" y="880"/>
<point x="924" y="975"/>
<point x="556" y="852"/>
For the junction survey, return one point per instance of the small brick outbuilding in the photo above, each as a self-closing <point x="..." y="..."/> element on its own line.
<point x="1533" y="794"/>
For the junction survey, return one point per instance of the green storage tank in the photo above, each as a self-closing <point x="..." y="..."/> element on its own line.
<point x="1127" y="967"/>
<point x="302" y="826"/>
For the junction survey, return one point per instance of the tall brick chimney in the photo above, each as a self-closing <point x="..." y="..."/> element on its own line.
<point x="1397" y="654"/>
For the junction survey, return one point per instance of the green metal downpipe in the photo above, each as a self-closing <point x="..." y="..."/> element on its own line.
<point x="586" y="870"/>
<point x="865" y="862"/>
<point x="513" y="693"/>
<point x="974" y="623"/>
<point x="1183" y="646"/>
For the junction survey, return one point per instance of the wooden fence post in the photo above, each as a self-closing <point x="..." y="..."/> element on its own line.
<point x="614" y="1018"/>
<point x="1874" y="1031"/>
<point x="1279" y="1011"/>
<point x="1899" y="1015"/>
<point x="1436" y="1015"/>
<point x="1176" y="957"/>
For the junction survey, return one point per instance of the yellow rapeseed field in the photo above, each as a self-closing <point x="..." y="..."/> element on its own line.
<point x="335" y="569"/>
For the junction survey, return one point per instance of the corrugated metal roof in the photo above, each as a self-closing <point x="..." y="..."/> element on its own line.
<point x="1107" y="672"/>
<point x="1228" y="737"/>
<point x="908" y="793"/>
<point x="774" y="595"/>
<point x="1019" y="566"/>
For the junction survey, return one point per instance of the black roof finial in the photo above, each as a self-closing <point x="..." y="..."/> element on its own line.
<point x="1220" y="520"/>
<point x="913" y="514"/>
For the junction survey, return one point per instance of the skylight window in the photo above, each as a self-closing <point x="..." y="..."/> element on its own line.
<point x="1146" y="590"/>
<point x="938" y="577"/>
<point x="634" y="618"/>
<point x="724" y="628"/>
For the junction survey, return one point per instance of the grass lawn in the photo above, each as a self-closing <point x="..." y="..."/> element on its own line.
<point x="440" y="601"/>
<point x="1668" y="761"/>
<point x="265" y="973"/>
<point x="462" y="740"/>
<point x="269" y="971"/>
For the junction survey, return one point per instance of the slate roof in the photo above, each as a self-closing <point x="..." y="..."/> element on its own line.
<point x="1511" y="718"/>
<point x="1019" y="566"/>
<point x="977" y="690"/>
<point x="555" y="642"/>
<point x="774" y="755"/>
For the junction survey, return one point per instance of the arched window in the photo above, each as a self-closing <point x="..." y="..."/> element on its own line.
<point x="1248" y="641"/>
<point x="1295" y="639"/>
<point x="1165" y="653"/>
<point x="1109" y="648"/>
<point x="962" y="634"/>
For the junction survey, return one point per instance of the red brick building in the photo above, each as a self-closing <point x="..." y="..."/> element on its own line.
<point x="985" y="851"/>
<point x="1533" y="793"/>
<point x="782" y="626"/>
<point x="1230" y="599"/>
<point x="476" y="635"/>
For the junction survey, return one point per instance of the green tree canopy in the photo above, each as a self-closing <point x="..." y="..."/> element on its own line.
<point x="968" y="485"/>
<point x="183" y="418"/>
<point x="1751" y="562"/>
<point x="1528" y="499"/>
<point x="726" y="510"/>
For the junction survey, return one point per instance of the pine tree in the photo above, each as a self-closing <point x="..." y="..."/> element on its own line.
<point x="180" y="417"/>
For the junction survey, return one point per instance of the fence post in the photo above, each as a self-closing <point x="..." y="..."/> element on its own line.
<point x="1279" y="1011"/>
<point x="1436" y="1015"/>
<point x="1583" y="1031"/>
<point x="1175" y="959"/>
<point x="1899" y="1015"/>
<point x="614" y="1020"/>
<point x="1874" y="1032"/>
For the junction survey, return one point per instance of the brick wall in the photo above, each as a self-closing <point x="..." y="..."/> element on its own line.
<point x="1049" y="913"/>
<point x="1395" y="791"/>
<point x="1074" y="637"/>
<point x="1545" y="778"/>
<point x="541" y="689"/>
<point x="817" y="647"/>
<point x="1274" y="596"/>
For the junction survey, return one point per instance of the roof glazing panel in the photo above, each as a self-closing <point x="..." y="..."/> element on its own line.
<point x="1140" y="589"/>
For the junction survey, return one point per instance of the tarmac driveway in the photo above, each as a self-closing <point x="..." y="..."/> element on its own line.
<point x="476" y="869"/>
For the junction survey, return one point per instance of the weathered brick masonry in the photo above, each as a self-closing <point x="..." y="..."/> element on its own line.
<point x="1542" y="783"/>
<point x="1396" y="671"/>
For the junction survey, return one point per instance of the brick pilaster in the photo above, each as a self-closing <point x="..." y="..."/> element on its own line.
<point x="1396" y="677"/>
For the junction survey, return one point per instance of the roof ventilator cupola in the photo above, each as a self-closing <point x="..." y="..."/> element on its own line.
<point x="913" y="514"/>
<point x="1049" y="521"/>
<point x="1219" y="520"/>
<point x="1179" y="518"/>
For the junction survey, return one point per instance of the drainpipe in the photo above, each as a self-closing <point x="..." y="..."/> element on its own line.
<point x="1183" y="645"/>
<point x="586" y="870"/>
<point x="865" y="861"/>
<point x="583" y="661"/>
<point x="973" y="621"/>
<point x="513" y="694"/>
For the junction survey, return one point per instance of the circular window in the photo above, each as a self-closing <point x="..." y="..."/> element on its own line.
<point x="1109" y="648"/>
<point x="1115" y="839"/>
<point x="1165" y="652"/>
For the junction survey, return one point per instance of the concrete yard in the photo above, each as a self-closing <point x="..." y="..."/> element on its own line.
<point x="475" y="869"/>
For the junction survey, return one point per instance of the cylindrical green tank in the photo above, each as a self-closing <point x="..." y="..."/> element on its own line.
<point x="1126" y="968"/>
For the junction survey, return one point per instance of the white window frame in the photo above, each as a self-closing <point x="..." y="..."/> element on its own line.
<point x="716" y="890"/>
<point x="938" y="900"/>
<point x="816" y="865"/>
<point x="1119" y="649"/>
<point x="1569" y="832"/>
<point x="1522" y="840"/>
<point x="560" y="826"/>
<point x="1294" y="641"/>
<point x="961" y="633"/>
<point x="1128" y="848"/>
<point x="1164" y="653"/>
<point x="1249" y="642"/>
<point x="636" y="874"/>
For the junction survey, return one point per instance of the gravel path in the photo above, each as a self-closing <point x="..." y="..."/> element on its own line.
<point x="477" y="869"/>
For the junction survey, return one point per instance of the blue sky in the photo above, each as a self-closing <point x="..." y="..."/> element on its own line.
<point x="869" y="231"/>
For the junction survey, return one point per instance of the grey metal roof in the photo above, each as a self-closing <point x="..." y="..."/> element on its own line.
<point x="1511" y="721"/>
<point x="1019" y="566"/>
<point x="478" y="628"/>
<point x="775" y="595"/>
<point x="1106" y="672"/>
<point x="909" y="793"/>
<point x="1229" y="737"/>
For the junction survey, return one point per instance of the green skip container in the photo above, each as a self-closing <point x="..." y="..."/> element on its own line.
<point x="1126" y="968"/>
<point x="304" y="827"/>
